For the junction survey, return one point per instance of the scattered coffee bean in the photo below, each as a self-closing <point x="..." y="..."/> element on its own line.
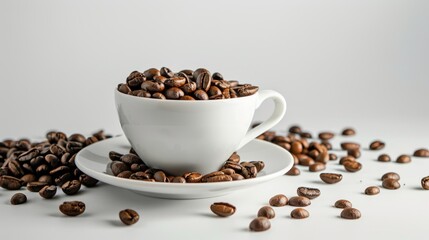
<point x="326" y="135"/>
<point x="423" y="152"/>
<point x="260" y="224"/>
<point x="384" y="158"/>
<point x="348" y="132"/>
<point x="36" y="186"/>
<point x="267" y="212"/>
<point x="354" y="153"/>
<point x="222" y="209"/>
<point x="349" y="145"/>
<point x="278" y="200"/>
<point x="305" y="135"/>
<point x="403" y="159"/>
<point x="295" y="129"/>
<point x="72" y="208"/>
<point x="18" y="198"/>
<point x="376" y="145"/>
<point x="333" y="157"/>
<point x="372" y="190"/>
<point x="48" y="192"/>
<point x="352" y="166"/>
<point x="347" y="159"/>
<point x="71" y="187"/>
<point x="129" y="216"/>
<point x="342" y="203"/>
<point x="425" y="183"/>
<point x="294" y="171"/>
<point x="331" y="178"/>
<point x="391" y="175"/>
<point x="299" y="213"/>
<point x="87" y="181"/>
<point x="310" y="193"/>
<point x="391" y="184"/>
<point x="317" y="167"/>
<point x="10" y="183"/>
<point x="299" y="201"/>
<point x="350" y="213"/>
<point x="323" y="157"/>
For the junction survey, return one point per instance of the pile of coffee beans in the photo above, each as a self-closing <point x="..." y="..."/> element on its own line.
<point x="42" y="166"/>
<point x="184" y="85"/>
<point x="131" y="166"/>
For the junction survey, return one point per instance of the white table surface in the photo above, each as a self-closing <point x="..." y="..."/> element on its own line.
<point x="393" y="214"/>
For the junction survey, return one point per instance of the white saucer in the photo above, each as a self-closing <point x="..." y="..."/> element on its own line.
<point x="94" y="159"/>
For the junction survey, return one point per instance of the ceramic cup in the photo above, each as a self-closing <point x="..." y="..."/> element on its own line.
<point x="179" y="136"/>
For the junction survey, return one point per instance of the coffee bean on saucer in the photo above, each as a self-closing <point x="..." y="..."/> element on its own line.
<point x="372" y="190"/>
<point x="376" y="145"/>
<point x="72" y="208"/>
<point x="384" y="158"/>
<point x="48" y="192"/>
<point x="299" y="201"/>
<point x="260" y="224"/>
<point x="348" y="132"/>
<point x="222" y="209"/>
<point x="299" y="213"/>
<point x="331" y="178"/>
<point x="18" y="198"/>
<point x="278" y="200"/>
<point x="267" y="212"/>
<point x="350" y="213"/>
<point x="403" y="159"/>
<point x="129" y="216"/>
<point x="342" y="203"/>
<point x="423" y="152"/>
<point x="310" y="193"/>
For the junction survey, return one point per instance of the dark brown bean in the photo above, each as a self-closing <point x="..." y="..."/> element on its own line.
<point x="348" y="132"/>
<point x="295" y="129"/>
<point x="201" y="95"/>
<point x="72" y="208"/>
<point x="376" y="145"/>
<point x="352" y="166"/>
<point x="129" y="216"/>
<point x="299" y="213"/>
<point x="347" y="159"/>
<point x="384" y="158"/>
<point x="333" y="157"/>
<point x="222" y="209"/>
<point x="123" y="88"/>
<point x="423" y="152"/>
<point x="278" y="200"/>
<point x="166" y="72"/>
<point x="326" y="135"/>
<point x="217" y="76"/>
<point x="296" y="147"/>
<point x="36" y="186"/>
<point x="267" y="212"/>
<point x="175" y="82"/>
<point x="322" y="157"/>
<point x="259" y="165"/>
<point x="131" y="159"/>
<point x="204" y="81"/>
<point x="153" y="86"/>
<point x="220" y="178"/>
<point x="317" y="167"/>
<point x="187" y="97"/>
<point x="151" y="73"/>
<point x="392" y="175"/>
<point x="178" y="179"/>
<point x="391" y="184"/>
<point x="349" y="145"/>
<point x="372" y="190"/>
<point x="18" y="198"/>
<point x="158" y="95"/>
<point x="260" y="224"/>
<point x="189" y="88"/>
<point x="246" y="91"/>
<point x="236" y="177"/>
<point x="342" y="203"/>
<point x="310" y="193"/>
<point x="294" y="171"/>
<point x="350" y="213"/>
<point x="71" y="187"/>
<point x="118" y="167"/>
<point x="305" y="135"/>
<point x="87" y="181"/>
<point x="354" y="153"/>
<point x="403" y="159"/>
<point x="425" y="183"/>
<point x="299" y="201"/>
<point x="48" y="192"/>
<point x="192" y="177"/>
<point x="331" y="178"/>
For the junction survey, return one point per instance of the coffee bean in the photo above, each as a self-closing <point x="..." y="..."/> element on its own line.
<point x="376" y="145"/>
<point x="384" y="158"/>
<point x="260" y="224"/>
<point x="72" y="208"/>
<point x="222" y="209"/>
<point x="323" y="157"/>
<point x="352" y="166"/>
<point x="192" y="177"/>
<point x="128" y="216"/>
<point x="228" y="171"/>
<point x="118" y="167"/>
<point x="267" y="212"/>
<point x="188" y="72"/>
<point x="189" y="88"/>
<point x="151" y="73"/>
<point x="28" y="178"/>
<point x="347" y="159"/>
<point x="259" y="165"/>
<point x="158" y="95"/>
<point x="299" y="213"/>
<point x="59" y="171"/>
<point x="403" y="159"/>
<point x="305" y="160"/>
<point x="423" y="152"/>
<point x="350" y="213"/>
<point x="299" y="201"/>
<point x="354" y="153"/>
<point x="201" y="95"/>
<point x="425" y="183"/>
<point x="217" y="76"/>
<point x="391" y="175"/>
<point x="175" y="82"/>
<point x="294" y="171"/>
<point x="327" y="144"/>
<point x="28" y="155"/>
<point x="317" y="167"/>
<point x="18" y="198"/>
<point x="203" y="81"/>
<point x="305" y="135"/>
<point x="178" y="180"/>
<point x="131" y="159"/>
<point x="220" y="178"/>
<point x="236" y="177"/>
<point x="199" y="71"/>
<point x="348" y="132"/>
<point x="391" y="184"/>
<point x="349" y="145"/>
<point x="247" y="91"/>
<point x="166" y="72"/>
<point x="333" y="157"/>
<point x="10" y="183"/>
<point x="295" y="129"/>
<point x="153" y="86"/>
<point x="212" y="174"/>
<point x="124" y="174"/>
<point x="331" y="178"/>
<point x="248" y="170"/>
<point x="62" y="179"/>
<point x="326" y="135"/>
<point x="48" y="192"/>
<point x="187" y="97"/>
<point x="87" y="181"/>
<point x="310" y="193"/>
<point x="15" y="168"/>
<point x="296" y="147"/>
<point x="36" y="186"/>
<point x="71" y="187"/>
<point x="372" y="190"/>
<point x="278" y="200"/>
<point x="342" y="203"/>
<point x="45" y="178"/>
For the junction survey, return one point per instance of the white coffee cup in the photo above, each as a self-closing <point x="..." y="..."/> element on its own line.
<point x="180" y="136"/>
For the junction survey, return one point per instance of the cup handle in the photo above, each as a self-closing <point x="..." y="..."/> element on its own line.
<point x="279" y="112"/>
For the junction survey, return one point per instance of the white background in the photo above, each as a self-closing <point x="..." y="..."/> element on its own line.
<point x="338" y="63"/>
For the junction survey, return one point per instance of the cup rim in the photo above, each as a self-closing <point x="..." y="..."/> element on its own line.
<point x="183" y="101"/>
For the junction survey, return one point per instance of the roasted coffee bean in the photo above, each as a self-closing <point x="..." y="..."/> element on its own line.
<point x="45" y="178"/>
<point x="234" y="158"/>
<point x="349" y="145"/>
<point x="305" y="135"/>
<point x="299" y="213"/>
<point x="10" y="183"/>
<point x="203" y="81"/>
<point x="115" y="156"/>
<point x="267" y="212"/>
<point x="57" y="150"/>
<point x="217" y="76"/>
<point x="71" y="187"/>
<point x="317" y="167"/>
<point x="348" y="132"/>
<point x="326" y="135"/>
<point x="322" y="157"/>
<point x="248" y="170"/>
<point x="295" y="129"/>
<point x="52" y="160"/>
<point x="15" y="168"/>
<point x="187" y="97"/>
<point x="42" y="169"/>
<point x="246" y="91"/>
<point x="18" y="198"/>
<point x="299" y="201"/>
<point x="305" y="160"/>
<point x="35" y="186"/>
<point x="87" y="181"/>
<point x="178" y="179"/>
<point x="236" y="177"/>
<point x="350" y="213"/>
<point x="347" y="159"/>
<point x="201" y="95"/>
<point x="222" y="209"/>
<point x="384" y="158"/>
<point x="124" y="174"/>
<point x="131" y="159"/>
<point x="193" y="177"/>
<point x="392" y="175"/>
<point x="391" y="184"/>
<point x="189" y="88"/>
<point x="260" y="165"/>
<point x="372" y="190"/>
<point x="175" y="82"/>
<point x="91" y="140"/>
<point x="376" y="145"/>
<point x="403" y="159"/>
<point x="118" y="167"/>
<point x="198" y="72"/>
<point x="151" y="73"/>
<point x="138" y="167"/>
<point x="72" y="208"/>
<point x="76" y="137"/>
<point x="160" y="176"/>
<point x="278" y="200"/>
<point x="59" y="171"/>
<point x="129" y="216"/>
<point x="28" y="155"/>
<point x="260" y="224"/>
<point x="333" y="157"/>
<point x="327" y="144"/>
<point x="166" y="72"/>
<point x="213" y="91"/>
<point x="352" y="166"/>
<point x="59" y="181"/>
<point x="48" y="192"/>
<point x="425" y="183"/>
<point x="423" y="152"/>
<point x="158" y="95"/>
<point x="28" y="178"/>
<point x="188" y="72"/>
<point x="296" y="147"/>
<point x="354" y="153"/>
<point x="331" y="178"/>
<point x="141" y="93"/>
<point x="220" y="178"/>
<point x="74" y="147"/>
<point x="342" y="203"/>
<point x="228" y="171"/>
<point x="310" y="193"/>
<point x="212" y="174"/>
<point x="153" y="86"/>
<point x="294" y="171"/>
<point x="174" y="93"/>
